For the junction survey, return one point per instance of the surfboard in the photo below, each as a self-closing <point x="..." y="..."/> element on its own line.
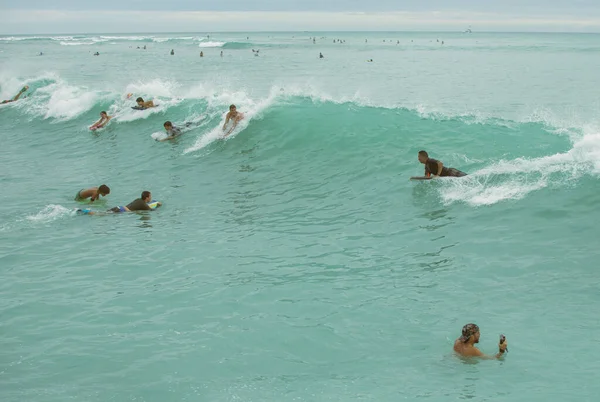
<point x="153" y="204"/>
<point x="420" y="178"/>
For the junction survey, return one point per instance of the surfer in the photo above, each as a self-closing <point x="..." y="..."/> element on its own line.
<point x="321" y="55"/>
<point x="96" y="54"/>
<point x="201" y="54"/>
<point x="437" y="168"/>
<point x="141" y="204"/>
<point x="232" y="115"/>
<point x="17" y="96"/>
<point x="92" y="193"/>
<point x="172" y="52"/>
<point x="172" y="131"/>
<point x="465" y="345"/>
<point x="141" y="104"/>
<point x="104" y="119"/>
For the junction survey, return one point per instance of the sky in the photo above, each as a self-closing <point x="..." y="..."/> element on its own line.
<point x="125" y="16"/>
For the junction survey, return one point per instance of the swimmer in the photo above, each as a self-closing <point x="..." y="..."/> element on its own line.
<point x="104" y="119"/>
<point x="437" y="168"/>
<point x="201" y="54"/>
<point x="92" y="193"/>
<point x="96" y="54"/>
<point x="321" y="56"/>
<point x="17" y="96"/>
<point x="141" y="204"/>
<point x="232" y="115"/>
<point x="172" y="52"/>
<point x="221" y="53"/>
<point x="144" y="104"/>
<point x="465" y="345"/>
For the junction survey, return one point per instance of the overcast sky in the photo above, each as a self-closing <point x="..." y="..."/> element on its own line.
<point x="105" y="16"/>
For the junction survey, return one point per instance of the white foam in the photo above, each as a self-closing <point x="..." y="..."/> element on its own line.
<point x="51" y="213"/>
<point x="65" y="102"/>
<point x="514" y="179"/>
<point x="211" y="44"/>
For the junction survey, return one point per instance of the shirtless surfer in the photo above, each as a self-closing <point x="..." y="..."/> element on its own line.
<point x="437" y="168"/>
<point x="232" y="115"/>
<point x="17" y="96"/>
<point x="141" y="104"/>
<point x="104" y="119"/>
<point x="92" y="193"/>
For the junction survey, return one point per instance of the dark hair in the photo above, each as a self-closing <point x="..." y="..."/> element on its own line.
<point x="103" y="112"/>
<point x="104" y="189"/>
<point x="139" y="99"/>
<point x="423" y="153"/>
<point x="168" y="123"/>
<point x="232" y="106"/>
<point x="145" y="194"/>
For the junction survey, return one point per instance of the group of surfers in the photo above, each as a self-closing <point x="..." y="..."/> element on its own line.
<point x="172" y="131"/>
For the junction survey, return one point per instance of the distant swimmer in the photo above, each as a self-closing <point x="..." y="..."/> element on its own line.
<point x="232" y="115"/>
<point x="321" y="56"/>
<point x="221" y="53"/>
<point x="17" y="96"/>
<point x="201" y="54"/>
<point x="437" y="168"/>
<point x="141" y="204"/>
<point x="141" y="104"/>
<point x="370" y="61"/>
<point x="96" y="54"/>
<point x="172" y="52"/>
<point x="144" y="47"/>
<point x="41" y="53"/>
<point x="465" y="345"/>
<point x="104" y="119"/>
<point x="93" y="193"/>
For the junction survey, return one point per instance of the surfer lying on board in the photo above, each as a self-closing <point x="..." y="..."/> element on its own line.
<point x="232" y="115"/>
<point x="437" y="168"/>
<point x="174" y="132"/>
<point x="141" y="104"/>
<point x="92" y="193"/>
<point x="141" y="204"/>
<point x="104" y="119"/>
<point x="17" y="96"/>
<point x="465" y="345"/>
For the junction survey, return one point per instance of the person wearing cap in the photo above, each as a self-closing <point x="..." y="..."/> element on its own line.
<point x="465" y="345"/>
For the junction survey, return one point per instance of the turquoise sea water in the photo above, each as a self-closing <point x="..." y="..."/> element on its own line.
<point x="295" y="261"/>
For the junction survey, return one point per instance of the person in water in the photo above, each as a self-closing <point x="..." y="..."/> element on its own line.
<point x="465" y="345"/>
<point x="17" y="96"/>
<point x="104" y="119"/>
<point x="232" y="115"/>
<point x="437" y="168"/>
<point x="201" y="54"/>
<point x="141" y="204"/>
<point x="321" y="55"/>
<point x="172" y="52"/>
<point x="144" y="104"/>
<point x="93" y="193"/>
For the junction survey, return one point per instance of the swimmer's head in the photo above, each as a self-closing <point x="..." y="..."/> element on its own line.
<point x="423" y="156"/>
<point x="104" y="190"/>
<point x="140" y="100"/>
<point x="232" y="108"/>
<point x="470" y="331"/>
<point x="103" y="113"/>
<point x="168" y="126"/>
<point x="146" y="196"/>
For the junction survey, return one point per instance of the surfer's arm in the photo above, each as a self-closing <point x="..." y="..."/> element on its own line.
<point x="227" y="118"/>
<point x="440" y="168"/>
<point x="96" y="123"/>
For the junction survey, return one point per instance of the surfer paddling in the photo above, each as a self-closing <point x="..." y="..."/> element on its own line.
<point x="17" y="96"/>
<point x="92" y="193"/>
<point x="232" y="115"/>
<point x="104" y="119"/>
<point x="436" y="168"/>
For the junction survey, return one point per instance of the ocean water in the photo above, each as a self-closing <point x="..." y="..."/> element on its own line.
<point x="295" y="261"/>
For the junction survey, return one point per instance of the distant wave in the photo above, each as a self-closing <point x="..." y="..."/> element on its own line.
<point x="211" y="44"/>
